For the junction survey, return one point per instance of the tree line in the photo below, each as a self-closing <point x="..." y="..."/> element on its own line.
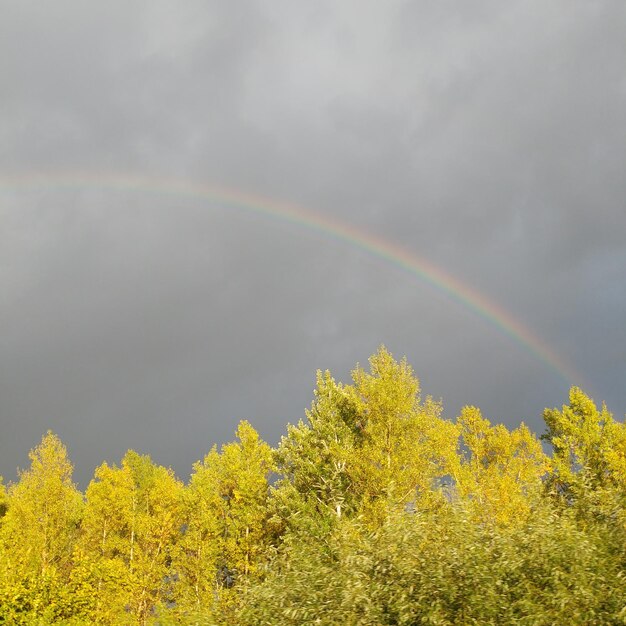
<point x="375" y="509"/>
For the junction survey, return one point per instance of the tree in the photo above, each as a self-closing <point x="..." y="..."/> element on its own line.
<point x="439" y="566"/>
<point x="368" y="449"/>
<point x="38" y="535"/>
<point x="316" y="487"/>
<point x="500" y="471"/>
<point x="132" y="522"/>
<point x="589" y="446"/>
<point x="407" y="448"/>
<point x="45" y="509"/>
<point x="225" y="541"/>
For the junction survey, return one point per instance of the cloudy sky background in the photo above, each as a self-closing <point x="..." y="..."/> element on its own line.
<point x="486" y="137"/>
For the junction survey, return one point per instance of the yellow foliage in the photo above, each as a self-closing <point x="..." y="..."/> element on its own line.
<point x="499" y="471"/>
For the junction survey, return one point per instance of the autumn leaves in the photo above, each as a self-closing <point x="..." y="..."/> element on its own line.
<point x="375" y="509"/>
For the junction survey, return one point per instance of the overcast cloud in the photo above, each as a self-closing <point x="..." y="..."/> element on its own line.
<point x="487" y="137"/>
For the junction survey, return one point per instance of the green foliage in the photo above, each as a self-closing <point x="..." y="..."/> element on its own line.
<point x="316" y="486"/>
<point x="382" y="512"/>
<point x="440" y="567"/>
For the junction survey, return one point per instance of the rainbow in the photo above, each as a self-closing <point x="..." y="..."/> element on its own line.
<point x="388" y="251"/>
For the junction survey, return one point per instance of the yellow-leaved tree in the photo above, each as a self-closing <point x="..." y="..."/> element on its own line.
<point x="589" y="456"/>
<point x="132" y="522"/>
<point x="500" y="471"/>
<point x="367" y="449"/>
<point x="37" y="538"/>
<point x="225" y="538"/>
<point x="406" y="447"/>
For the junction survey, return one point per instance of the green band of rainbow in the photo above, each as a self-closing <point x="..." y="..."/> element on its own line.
<point x="377" y="246"/>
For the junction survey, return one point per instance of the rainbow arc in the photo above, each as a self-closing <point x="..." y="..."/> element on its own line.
<point x="386" y="250"/>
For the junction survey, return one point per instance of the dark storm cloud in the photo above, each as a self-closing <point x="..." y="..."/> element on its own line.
<point x="487" y="137"/>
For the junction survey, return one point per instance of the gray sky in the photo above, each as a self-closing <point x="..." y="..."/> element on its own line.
<point x="486" y="137"/>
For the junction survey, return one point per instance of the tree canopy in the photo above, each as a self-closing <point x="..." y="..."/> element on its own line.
<point x="375" y="508"/>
